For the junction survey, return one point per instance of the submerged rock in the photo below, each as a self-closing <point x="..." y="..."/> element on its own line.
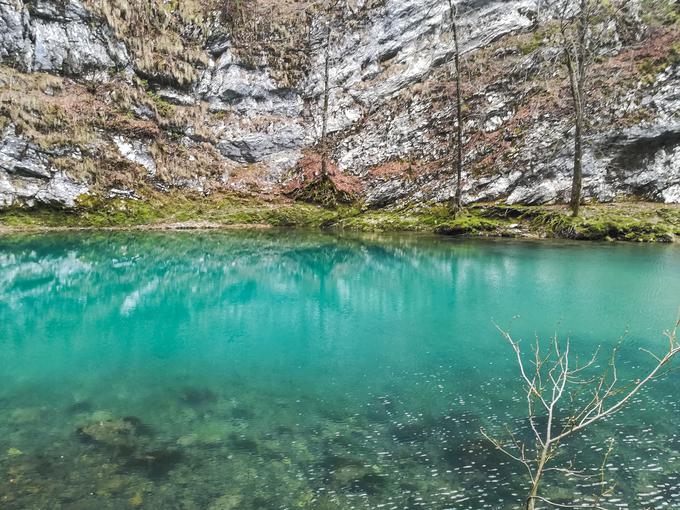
<point x="157" y="462"/>
<point x="26" y="415"/>
<point x="121" y="435"/>
<point x="358" y="478"/>
<point x="409" y="432"/>
<point x="243" y="444"/>
<point x="141" y="428"/>
<point x="334" y="462"/>
<point x="326" y="503"/>
<point x="226" y="502"/>
<point x="198" y="396"/>
<point x="352" y="474"/>
<point x="128" y="439"/>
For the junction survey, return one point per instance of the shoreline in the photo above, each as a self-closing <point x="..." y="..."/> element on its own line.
<point x="151" y="227"/>
<point x="622" y="221"/>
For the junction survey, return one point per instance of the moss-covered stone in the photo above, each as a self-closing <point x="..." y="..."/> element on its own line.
<point x="469" y="225"/>
<point x="625" y="222"/>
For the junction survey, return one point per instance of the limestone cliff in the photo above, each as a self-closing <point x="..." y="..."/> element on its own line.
<point x="115" y="98"/>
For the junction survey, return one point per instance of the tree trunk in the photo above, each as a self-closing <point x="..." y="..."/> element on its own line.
<point x="324" y="115"/>
<point x="577" y="65"/>
<point x="458" y="165"/>
<point x="577" y="181"/>
<point x="531" y="500"/>
<point x="459" y="120"/>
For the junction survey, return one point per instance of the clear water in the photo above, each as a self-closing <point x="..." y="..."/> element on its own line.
<point x="280" y="370"/>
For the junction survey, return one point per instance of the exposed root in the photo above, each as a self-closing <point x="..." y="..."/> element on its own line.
<point x="322" y="191"/>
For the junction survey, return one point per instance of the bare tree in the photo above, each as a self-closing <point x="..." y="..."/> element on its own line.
<point x="324" y="186"/>
<point x="326" y="92"/>
<point x="458" y="168"/>
<point x="564" y="397"/>
<point x="577" y="58"/>
<point x="582" y="36"/>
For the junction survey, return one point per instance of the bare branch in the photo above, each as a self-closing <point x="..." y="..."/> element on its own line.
<point x="554" y="377"/>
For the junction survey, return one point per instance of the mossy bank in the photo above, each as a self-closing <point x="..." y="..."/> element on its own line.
<point x="630" y="221"/>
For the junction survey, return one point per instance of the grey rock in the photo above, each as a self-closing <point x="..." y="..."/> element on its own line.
<point x="15" y="45"/>
<point x="57" y="37"/>
<point x="400" y="44"/>
<point x="231" y="85"/>
<point x="250" y="146"/>
<point x="21" y="159"/>
<point x="383" y="51"/>
<point x="27" y="177"/>
<point x="176" y="97"/>
<point x="263" y="121"/>
<point x="136" y="151"/>
<point x="61" y="191"/>
<point x="123" y="193"/>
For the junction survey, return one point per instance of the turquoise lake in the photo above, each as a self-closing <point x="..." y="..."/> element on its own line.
<point x="288" y="370"/>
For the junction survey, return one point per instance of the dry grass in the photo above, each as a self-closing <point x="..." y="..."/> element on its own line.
<point x="275" y="31"/>
<point x="535" y="92"/>
<point x="164" y="37"/>
<point x="179" y="162"/>
<point x="55" y="112"/>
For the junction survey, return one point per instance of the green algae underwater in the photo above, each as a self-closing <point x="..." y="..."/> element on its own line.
<point x="293" y="370"/>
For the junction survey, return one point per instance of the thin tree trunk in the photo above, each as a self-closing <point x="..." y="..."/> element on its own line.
<point x="410" y="154"/>
<point x="573" y="67"/>
<point x="459" y="119"/>
<point x="536" y="482"/>
<point x="542" y="461"/>
<point x="577" y="182"/>
<point x="458" y="165"/>
<point x="576" y="65"/>
<point x="324" y="115"/>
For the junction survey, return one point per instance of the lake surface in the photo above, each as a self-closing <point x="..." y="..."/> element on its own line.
<point x="284" y="370"/>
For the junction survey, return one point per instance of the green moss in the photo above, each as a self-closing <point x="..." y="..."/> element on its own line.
<point x="663" y="13"/>
<point x="403" y="220"/>
<point x="536" y="41"/>
<point x="626" y="222"/>
<point x="163" y="108"/>
<point x="539" y="37"/>
<point x="605" y="224"/>
<point x="97" y="212"/>
<point x="650" y="68"/>
<point x="469" y="225"/>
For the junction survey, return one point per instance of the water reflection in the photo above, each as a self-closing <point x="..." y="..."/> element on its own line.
<point x="287" y="370"/>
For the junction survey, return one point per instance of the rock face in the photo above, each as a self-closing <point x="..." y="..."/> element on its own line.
<point x="56" y="36"/>
<point x="243" y="123"/>
<point x="27" y="177"/>
<point x="137" y="152"/>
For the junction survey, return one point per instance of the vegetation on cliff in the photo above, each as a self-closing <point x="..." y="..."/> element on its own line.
<point x="160" y="128"/>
